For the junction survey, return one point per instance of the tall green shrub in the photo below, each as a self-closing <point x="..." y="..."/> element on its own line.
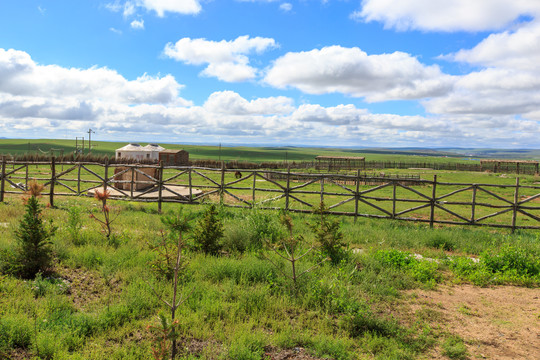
<point x="33" y="252"/>
<point x="208" y="232"/>
<point x="328" y="235"/>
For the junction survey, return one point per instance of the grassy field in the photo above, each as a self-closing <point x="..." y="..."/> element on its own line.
<point x="98" y="299"/>
<point x="398" y="290"/>
<point x="252" y="154"/>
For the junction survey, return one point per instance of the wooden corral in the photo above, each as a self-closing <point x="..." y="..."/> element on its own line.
<point x="340" y="162"/>
<point x="495" y="165"/>
<point x="134" y="179"/>
<point x="174" y="157"/>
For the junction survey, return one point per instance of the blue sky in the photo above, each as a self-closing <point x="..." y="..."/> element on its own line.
<point x="389" y="73"/>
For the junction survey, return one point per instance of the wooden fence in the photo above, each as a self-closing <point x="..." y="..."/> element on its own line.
<point x="431" y="201"/>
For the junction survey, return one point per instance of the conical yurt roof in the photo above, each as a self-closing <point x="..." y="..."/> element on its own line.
<point x="131" y="147"/>
<point x="153" y="147"/>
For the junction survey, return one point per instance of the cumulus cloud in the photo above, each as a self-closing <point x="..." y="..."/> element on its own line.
<point x="37" y="100"/>
<point x="286" y="7"/>
<point x="20" y="75"/>
<point x="226" y="60"/>
<point x="508" y="82"/>
<point x="137" y="24"/>
<point x="353" y="72"/>
<point x="160" y="7"/>
<point x="450" y="15"/>
<point x="519" y="49"/>
<point x="230" y="102"/>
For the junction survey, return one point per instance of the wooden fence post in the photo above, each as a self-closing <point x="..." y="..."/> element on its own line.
<point x="516" y="199"/>
<point x="322" y="189"/>
<point x="132" y="184"/>
<point x="106" y="177"/>
<point x="79" y="180"/>
<point x="3" y="181"/>
<point x="432" y="212"/>
<point x="287" y="189"/>
<point x="394" y="199"/>
<point x="160" y="186"/>
<point x="53" y="179"/>
<point x="190" y="186"/>
<point x="473" y="205"/>
<point x="356" y="195"/>
<point x="254" y="187"/>
<point x="26" y="176"/>
<point x="222" y="186"/>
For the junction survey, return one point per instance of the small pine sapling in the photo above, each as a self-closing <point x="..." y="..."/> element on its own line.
<point x="166" y="247"/>
<point x="328" y="235"/>
<point x="33" y="253"/>
<point x="208" y="232"/>
<point x="286" y="248"/>
<point x="168" y="331"/>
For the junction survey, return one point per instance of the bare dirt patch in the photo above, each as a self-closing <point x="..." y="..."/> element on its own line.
<point x="500" y="322"/>
<point x="87" y="287"/>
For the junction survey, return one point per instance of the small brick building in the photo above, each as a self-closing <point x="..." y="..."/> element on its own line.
<point x="174" y="157"/>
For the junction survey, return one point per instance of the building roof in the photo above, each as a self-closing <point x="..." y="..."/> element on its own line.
<point x="137" y="147"/>
<point x="131" y="147"/>
<point x="154" y="147"/>
<point x="171" y="151"/>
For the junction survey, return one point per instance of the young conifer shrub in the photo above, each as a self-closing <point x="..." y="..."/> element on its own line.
<point x="328" y="235"/>
<point x="33" y="252"/>
<point x="208" y="232"/>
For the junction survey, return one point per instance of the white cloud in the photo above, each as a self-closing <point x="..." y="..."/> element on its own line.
<point x="21" y="76"/>
<point x="508" y="82"/>
<point x="227" y="60"/>
<point x="137" y="24"/>
<point x="449" y="15"/>
<point x="160" y="7"/>
<point x="286" y="7"/>
<point x="353" y="72"/>
<point x="173" y="6"/>
<point x="519" y="49"/>
<point x="229" y="102"/>
<point x="38" y="100"/>
<point x="116" y="31"/>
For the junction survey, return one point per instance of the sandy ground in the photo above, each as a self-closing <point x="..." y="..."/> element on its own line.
<point x="500" y="322"/>
<point x="153" y="194"/>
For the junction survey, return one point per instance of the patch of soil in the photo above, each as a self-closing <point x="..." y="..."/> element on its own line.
<point x="500" y="322"/>
<point x="86" y="286"/>
<point x="18" y="354"/>
<point x="298" y="353"/>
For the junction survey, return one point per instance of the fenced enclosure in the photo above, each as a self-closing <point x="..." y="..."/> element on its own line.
<point x="510" y="206"/>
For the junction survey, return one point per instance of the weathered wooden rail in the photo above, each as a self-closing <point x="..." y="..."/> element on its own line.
<point x="431" y="201"/>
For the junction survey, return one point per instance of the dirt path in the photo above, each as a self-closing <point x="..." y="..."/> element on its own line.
<point x="501" y="322"/>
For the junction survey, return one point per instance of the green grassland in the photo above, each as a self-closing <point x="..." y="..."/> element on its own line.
<point x="99" y="299"/>
<point x="240" y="153"/>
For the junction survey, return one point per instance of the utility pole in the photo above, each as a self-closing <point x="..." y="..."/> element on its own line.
<point x="90" y="131"/>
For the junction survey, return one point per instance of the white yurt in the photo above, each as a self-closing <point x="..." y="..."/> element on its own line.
<point x="132" y="151"/>
<point x="154" y="150"/>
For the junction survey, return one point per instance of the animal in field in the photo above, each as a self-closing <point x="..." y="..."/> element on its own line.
<point x="238" y="174"/>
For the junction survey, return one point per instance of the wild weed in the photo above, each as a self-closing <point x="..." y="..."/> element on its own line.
<point x="106" y="222"/>
<point x="74" y="226"/>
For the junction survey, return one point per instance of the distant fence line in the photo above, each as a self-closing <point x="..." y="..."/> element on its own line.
<point x="523" y="168"/>
<point x="244" y="191"/>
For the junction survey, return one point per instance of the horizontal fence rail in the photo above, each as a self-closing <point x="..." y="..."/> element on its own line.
<point x="404" y="197"/>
